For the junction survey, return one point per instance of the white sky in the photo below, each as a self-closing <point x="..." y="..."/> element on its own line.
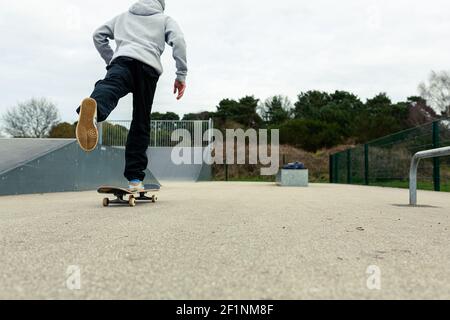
<point x="235" y="48"/>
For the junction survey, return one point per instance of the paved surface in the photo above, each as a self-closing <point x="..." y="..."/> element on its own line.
<point x="228" y="241"/>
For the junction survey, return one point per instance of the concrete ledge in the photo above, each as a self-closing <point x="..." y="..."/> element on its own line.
<point x="293" y="178"/>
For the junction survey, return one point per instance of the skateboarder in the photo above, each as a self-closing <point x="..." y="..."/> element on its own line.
<point x="134" y="67"/>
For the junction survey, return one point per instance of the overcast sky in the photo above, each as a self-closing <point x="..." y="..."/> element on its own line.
<point x="235" y="48"/>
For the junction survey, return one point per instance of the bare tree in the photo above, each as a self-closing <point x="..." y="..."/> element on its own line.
<point x="437" y="92"/>
<point x="31" y="119"/>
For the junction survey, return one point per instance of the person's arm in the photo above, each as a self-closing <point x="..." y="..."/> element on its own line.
<point x="101" y="40"/>
<point x="175" y="39"/>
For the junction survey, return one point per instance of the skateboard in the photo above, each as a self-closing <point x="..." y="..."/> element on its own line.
<point x="121" y="193"/>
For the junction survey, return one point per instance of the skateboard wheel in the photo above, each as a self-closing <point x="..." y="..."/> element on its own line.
<point x="106" y="202"/>
<point x="154" y="199"/>
<point x="132" y="201"/>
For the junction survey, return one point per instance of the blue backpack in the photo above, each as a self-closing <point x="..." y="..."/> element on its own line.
<point x="295" y="166"/>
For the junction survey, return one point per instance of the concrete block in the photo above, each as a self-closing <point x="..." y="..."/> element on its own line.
<point x="293" y="178"/>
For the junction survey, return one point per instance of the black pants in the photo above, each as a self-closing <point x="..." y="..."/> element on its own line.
<point x="124" y="76"/>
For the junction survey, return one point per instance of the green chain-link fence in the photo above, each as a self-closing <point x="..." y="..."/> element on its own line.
<point x="386" y="161"/>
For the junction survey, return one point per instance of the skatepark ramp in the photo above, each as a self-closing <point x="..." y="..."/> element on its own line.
<point x="164" y="169"/>
<point x="30" y="166"/>
<point x="114" y="133"/>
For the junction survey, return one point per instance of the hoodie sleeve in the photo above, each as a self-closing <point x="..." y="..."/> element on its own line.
<point x="175" y="39"/>
<point x="101" y="40"/>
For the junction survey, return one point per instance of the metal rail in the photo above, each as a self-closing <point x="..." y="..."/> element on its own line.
<point x="434" y="153"/>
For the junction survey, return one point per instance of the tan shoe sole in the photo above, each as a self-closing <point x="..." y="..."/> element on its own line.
<point x="87" y="133"/>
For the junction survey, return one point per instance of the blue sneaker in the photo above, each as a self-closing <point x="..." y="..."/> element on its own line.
<point x="136" y="186"/>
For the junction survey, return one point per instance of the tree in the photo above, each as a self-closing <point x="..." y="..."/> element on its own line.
<point x="419" y="112"/>
<point x="276" y="110"/>
<point x="63" y="131"/>
<point x="114" y="134"/>
<point x="437" y="92"/>
<point x="31" y="119"/>
<point x="310" y="103"/>
<point x="338" y="108"/>
<point x="205" y="115"/>
<point x="341" y="110"/>
<point x="243" y="111"/>
<point x="165" y="116"/>
<point x="378" y="104"/>
<point x="380" y="117"/>
<point x="310" y="135"/>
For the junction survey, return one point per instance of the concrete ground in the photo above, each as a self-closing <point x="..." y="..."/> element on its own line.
<point x="228" y="241"/>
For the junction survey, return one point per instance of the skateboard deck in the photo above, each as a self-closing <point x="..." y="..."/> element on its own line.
<point x="133" y="196"/>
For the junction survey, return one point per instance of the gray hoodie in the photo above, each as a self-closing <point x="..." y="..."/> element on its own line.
<point x="141" y="33"/>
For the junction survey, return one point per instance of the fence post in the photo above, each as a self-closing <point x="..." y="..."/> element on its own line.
<point x="210" y="133"/>
<point x="331" y="168"/>
<point x="336" y="168"/>
<point x="100" y="133"/>
<point x="349" y="166"/>
<point x="366" y="164"/>
<point x="210" y="140"/>
<point x="436" y="161"/>
<point x="156" y="134"/>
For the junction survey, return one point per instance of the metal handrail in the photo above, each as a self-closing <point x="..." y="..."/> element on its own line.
<point x="427" y="154"/>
